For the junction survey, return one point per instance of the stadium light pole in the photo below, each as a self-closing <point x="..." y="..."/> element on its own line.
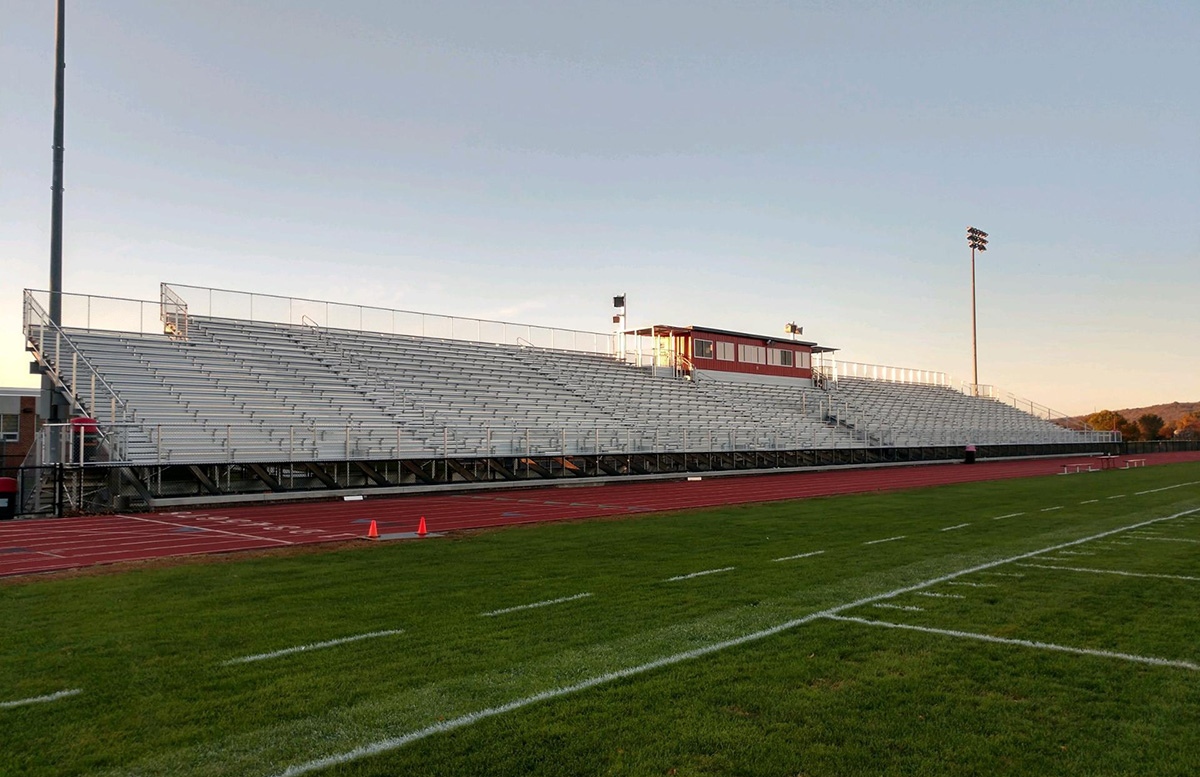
<point x="977" y="239"/>
<point x="55" y="406"/>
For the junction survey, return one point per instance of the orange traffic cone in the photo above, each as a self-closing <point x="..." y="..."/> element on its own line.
<point x="421" y="530"/>
<point x="373" y="532"/>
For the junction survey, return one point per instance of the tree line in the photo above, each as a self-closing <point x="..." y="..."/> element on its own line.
<point x="1148" y="426"/>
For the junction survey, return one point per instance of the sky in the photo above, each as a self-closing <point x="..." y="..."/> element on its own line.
<point x="739" y="165"/>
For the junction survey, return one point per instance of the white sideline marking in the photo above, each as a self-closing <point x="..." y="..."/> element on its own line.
<point x="1010" y="515"/>
<point x="1048" y="509"/>
<point x="974" y="585"/>
<point x="940" y="596"/>
<point x="889" y="539"/>
<point x="1168" y="539"/>
<point x="1118" y="496"/>
<point x="1023" y="642"/>
<point x="885" y="606"/>
<point x="1168" y="488"/>
<point x="698" y="574"/>
<point x="546" y="603"/>
<point x="312" y="646"/>
<point x="1113" y="572"/>
<point x="1089" y="501"/>
<point x="4" y="705"/>
<point x="799" y="555"/>
<point x="952" y="528"/>
<point x="393" y="743"/>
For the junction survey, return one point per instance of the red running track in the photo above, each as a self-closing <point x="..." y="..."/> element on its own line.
<point x="49" y="544"/>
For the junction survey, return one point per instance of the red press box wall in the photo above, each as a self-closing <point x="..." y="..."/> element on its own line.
<point x="749" y="369"/>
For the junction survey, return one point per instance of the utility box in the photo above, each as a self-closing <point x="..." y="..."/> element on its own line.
<point x="8" y="499"/>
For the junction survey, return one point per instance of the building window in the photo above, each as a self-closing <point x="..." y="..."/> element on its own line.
<point x="725" y="352"/>
<point x="10" y="427"/>
<point x="752" y="354"/>
<point x="805" y="360"/>
<point x="703" y="349"/>
<point x="780" y="357"/>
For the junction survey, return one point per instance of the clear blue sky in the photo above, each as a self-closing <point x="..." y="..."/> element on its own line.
<point x="738" y="165"/>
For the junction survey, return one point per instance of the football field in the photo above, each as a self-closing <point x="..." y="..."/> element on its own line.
<point x="1035" y="626"/>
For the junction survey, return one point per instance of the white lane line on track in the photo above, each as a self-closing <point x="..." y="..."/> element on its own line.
<point x="4" y="705"/>
<point x="1022" y="643"/>
<point x="1010" y="515"/>
<point x="207" y="529"/>
<point x="1112" y="572"/>
<point x="311" y="646"/>
<point x="698" y="574"/>
<point x="952" y="528"/>
<point x="453" y="724"/>
<point x="546" y="603"/>
<point x="889" y="539"/>
<point x="799" y="555"/>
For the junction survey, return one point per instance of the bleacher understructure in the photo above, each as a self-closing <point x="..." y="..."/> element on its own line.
<point x="215" y="406"/>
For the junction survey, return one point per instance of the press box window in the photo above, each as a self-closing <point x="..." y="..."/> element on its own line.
<point x="704" y="349"/>
<point x="752" y="354"/>
<point x="780" y="357"/>
<point x="725" y="352"/>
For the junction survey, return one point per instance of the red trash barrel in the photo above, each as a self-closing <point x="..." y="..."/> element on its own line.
<point x="8" y="499"/>
<point x="85" y="424"/>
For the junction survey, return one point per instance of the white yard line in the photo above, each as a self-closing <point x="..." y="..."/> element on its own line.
<point x="952" y="528"/>
<point x="1168" y="539"/>
<point x="1075" y="553"/>
<point x="1118" y="496"/>
<point x="1048" y="509"/>
<point x="1003" y="574"/>
<point x="311" y="646"/>
<point x="886" y="606"/>
<point x="1023" y="643"/>
<point x="1089" y="501"/>
<point x="1010" y="515"/>
<point x="973" y="585"/>
<point x="936" y="595"/>
<point x="889" y="539"/>
<point x="546" y="603"/>
<point x="4" y="705"/>
<point x="1168" y="488"/>
<point x="207" y="529"/>
<point x="698" y="574"/>
<point x="396" y="742"/>
<point x="1112" y="572"/>
<point x="800" y="555"/>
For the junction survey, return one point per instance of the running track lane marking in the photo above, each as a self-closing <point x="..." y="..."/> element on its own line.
<point x="394" y="743"/>
<point x="4" y="705"/>
<point x="1112" y="572"/>
<point x="889" y="539"/>
<point x="1022" y="642"/>
<point x="1010" y="515"/>
<point x="207" y="529"/>
<point x="698" y="574"/>
<point x="952" y="528"/>
<point x="311" y="646"/>
<point x="546" y="603"/>
<point x="799" y="555"/>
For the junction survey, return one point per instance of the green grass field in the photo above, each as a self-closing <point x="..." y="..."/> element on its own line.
<point x="850" y="656"/>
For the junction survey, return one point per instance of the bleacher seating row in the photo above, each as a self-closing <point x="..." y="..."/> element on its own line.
<point x="237" y="390"/>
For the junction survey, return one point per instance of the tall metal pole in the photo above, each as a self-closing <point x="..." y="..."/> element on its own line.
<point x="977" y="239"/>
<point x="974" y="342"/>
<point x="55" y="405"/>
